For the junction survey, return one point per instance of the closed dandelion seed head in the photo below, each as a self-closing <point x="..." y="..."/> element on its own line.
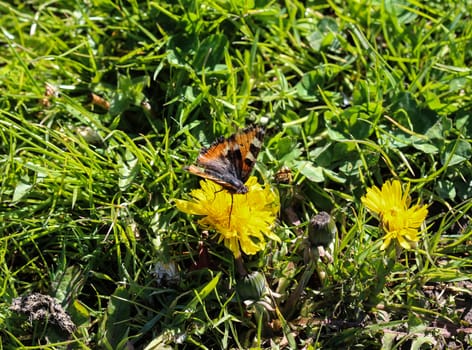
<point x="243" y="221"/>
<point x="399" y="221"/>
<point x="322" y="230"/>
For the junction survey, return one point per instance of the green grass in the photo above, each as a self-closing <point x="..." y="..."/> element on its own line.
<point x="351" y="93"/>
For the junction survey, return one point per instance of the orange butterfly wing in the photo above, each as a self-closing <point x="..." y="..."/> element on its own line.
<point x="230" y="161"/>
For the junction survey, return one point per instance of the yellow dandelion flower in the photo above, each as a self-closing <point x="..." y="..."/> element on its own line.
<point x="243" y="221"/>
<point x="392" y="207"/>
<point x="386" y="201"/>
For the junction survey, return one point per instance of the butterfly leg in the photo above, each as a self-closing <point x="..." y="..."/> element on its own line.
<point x="230" y="211"/>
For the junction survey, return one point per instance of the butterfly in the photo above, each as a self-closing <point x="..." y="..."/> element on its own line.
<point x="229" y="161"/>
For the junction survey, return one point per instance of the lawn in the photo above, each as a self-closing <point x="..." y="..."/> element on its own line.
<point x="352" y="124"/>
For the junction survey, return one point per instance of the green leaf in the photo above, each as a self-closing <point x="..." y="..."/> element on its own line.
<point x="311" y="125"/>
<point x="114" y="327"/>
<point x="79" y="313"/>
<point x="287" y="150"/>
<point x="67" y="283"/>
<point x="312" y="173"/>
<point x="446" y="189"/>
<point x="333" y="176"/>
<point x="210" y="53"/>
<point x="464" y="125"/>
<point x="427" y="148"/>
<point x="307" y="88"/>
<point x="325" y="34"/>
<point x="439" y="129"/>
<point x="21" y="190"/>
<point x="456" y="152"/>
<point x="129" y="169"/>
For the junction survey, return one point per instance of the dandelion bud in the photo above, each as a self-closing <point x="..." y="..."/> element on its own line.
<point x="251" y="286"/>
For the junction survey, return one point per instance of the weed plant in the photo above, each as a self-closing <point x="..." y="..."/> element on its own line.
<point x="103" y="104"/>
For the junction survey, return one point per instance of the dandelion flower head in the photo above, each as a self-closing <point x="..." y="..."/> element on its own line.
<point x="243" y="221"/>
<point x="391" y="205"/>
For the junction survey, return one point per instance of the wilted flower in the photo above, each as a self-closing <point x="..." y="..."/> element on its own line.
<point x="166" y="273"/>
<point x="397" y="218"/>
<point x="242" y="220"/>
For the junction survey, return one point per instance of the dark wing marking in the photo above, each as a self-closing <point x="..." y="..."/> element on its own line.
<point x="249" y="142"/>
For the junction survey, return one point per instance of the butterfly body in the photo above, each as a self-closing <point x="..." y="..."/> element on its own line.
<point x="229" y="161"/>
